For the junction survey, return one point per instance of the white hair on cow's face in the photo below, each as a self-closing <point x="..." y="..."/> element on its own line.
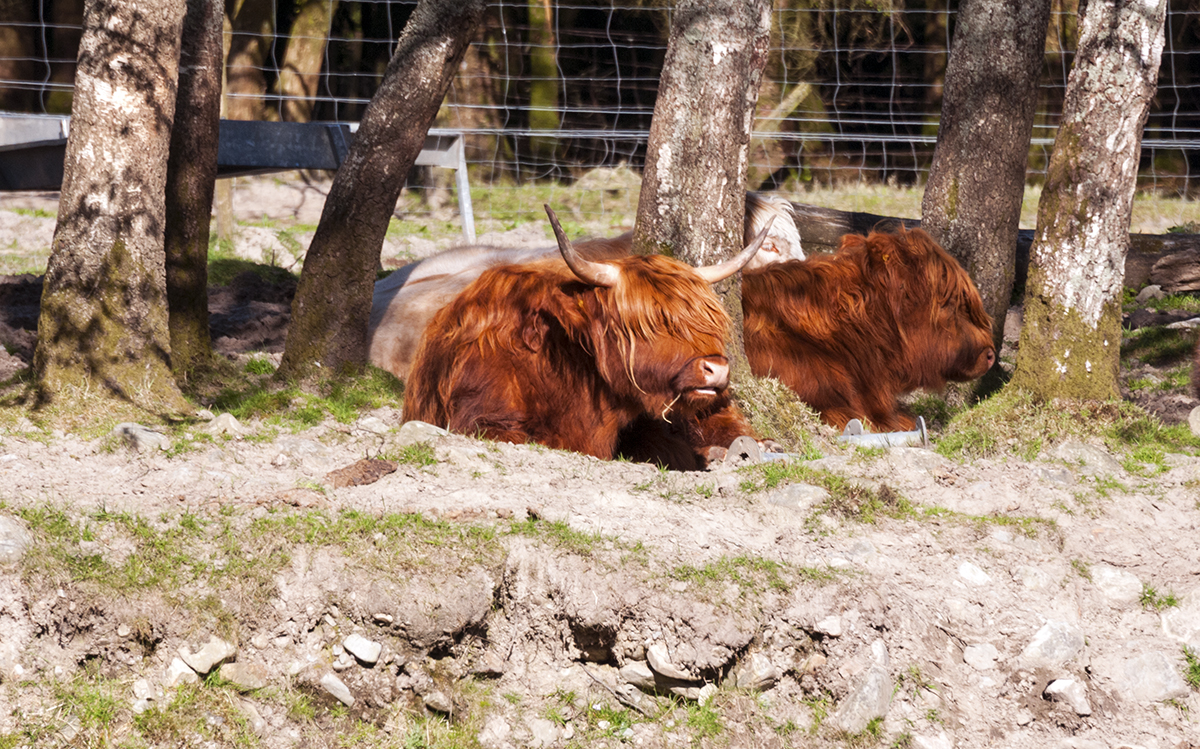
<point x="783" y="243"/>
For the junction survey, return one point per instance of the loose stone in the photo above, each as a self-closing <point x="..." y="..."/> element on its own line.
<point x="981" y="657"/>
<point x="14" y="540"/>
<point x="638" y="673"/>
<point x="869" y="697"/>
<point x="1054" y="644"/>
<point x="243" y="676"/>
<point x="660" y="661"/>
<point x="1071" y="692"/>
<point x="363" y="649"/>
<point x="213" y="654"/>
<point x="180" y="673"/>
<point x="338" y="689"/>
<point x="438" y="702"/>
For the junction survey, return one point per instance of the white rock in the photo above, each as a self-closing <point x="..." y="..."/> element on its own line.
<point x="438" y="701"/>
<point x="141" y="438"/>
<point x="869" y="697"/>
<point x="1071" y="692"/>
<point x="412" y="432"/>
<point x="798" y="496"/>
<point x="545" y="732"/>
<point x="338" y="689"/>
<point x="179" y="673"/>
<point x="14" y="540"/>
<point x="1089" y="460"/>
<point x="660" y="661"/>
<point x="1152" y="291"/>
<point x="1194" y="421"/>
<point x="1182" y="623"/>
<point x="243" y="676"/>
<point x="363" y="649"/>
<point x="1054" y="644"/>
<point x="141" y="690"/>
<point x="981" y="657"/>
<point x="830" y="626"/>
<point x="757" y="672"/>
<point x="1032" y="578"/>
<point x="225" y="424"/>
<point x="1151" y="677"/>
<point x="707" y="692"/>
<point x="638" y="673"/>
<point x="973" y="574"/>
<point x="372" y="424"/>
<point x="215" y="652"/>
<point x="495" y="733"/>
<point x="1116" y="585"/>
<point x="940" y="741"/>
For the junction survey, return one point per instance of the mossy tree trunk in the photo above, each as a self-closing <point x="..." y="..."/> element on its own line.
<point x="972" y="203"/>
<point x="191" y="176"/>
<point x="1071" y="338"/>
<point x="301" y="69"/>
<point x="333" y="299"/>
<point x="103" y="324"/>
<point x="252" y="24"/>
<point x="17" y="55"/>
<point x="694" y="181"/>
<point x="544" y="79"/>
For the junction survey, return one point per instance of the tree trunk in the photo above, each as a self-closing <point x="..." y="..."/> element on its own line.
<point x="694" y="181"/>
<point x="191" y="176"/>
<point x="972" y="203"/>
<point x="103" y="324"/>
<point x="251" y="29"/>
<point x="333" y="300"/>
<point x="1072" y="334"/>
<point x="301" y="69"/>
<point x="543" y="80"/>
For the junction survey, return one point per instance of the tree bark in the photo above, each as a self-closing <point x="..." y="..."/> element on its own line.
<point x="333" y="299"/>
<point x="972" y="203"/>
<point x="251" y="29"/>
<point x="301" y="69"/>
<point x="191" y="177"/>
<point x="103" y="324"/>
<point x="694" y="181"/>
<point x="1071" y="338"/>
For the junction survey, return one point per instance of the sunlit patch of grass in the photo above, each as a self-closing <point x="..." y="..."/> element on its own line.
<point x="286" y="405"/>
<point x="847" y="499"/>
<point x="1013" y="423"/>
<point x="776" y="412"/>
<point x="1159" y="347"/>
<point x="1152" y="600"/>
<point x="1181" y="302"/>
<point x="1191" y="671"/>
<point x="744" y="570"/>
<point x="222" y="270"/>
<point x="560" y="534"/>
<point x="1029" y="526"/>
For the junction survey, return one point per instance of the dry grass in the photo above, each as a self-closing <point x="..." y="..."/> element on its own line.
<point x="777" y="413"/>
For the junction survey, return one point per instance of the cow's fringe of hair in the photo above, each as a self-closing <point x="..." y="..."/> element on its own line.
<point x="760" y="208"/>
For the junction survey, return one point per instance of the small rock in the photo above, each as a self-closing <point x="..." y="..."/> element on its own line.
<point x="1117" y="585"/>
<point x="141" y="690"/>
<point x="205" y="415"/>
<point x="973" y="574"/>
<point x="756" y="672"/>
<point x="438" y="702"/>
<point x="1153" y="291"/>
<point x="363" y="649"/>
<point x="140" y="706"/>
<point x="338" y="689"/>
<point x="1089" y="460"/>
<point x="141" y="438"/>
<point x="1024" y="717"/>
<point x="545" y="732"/>
<point x="253" y="717"/>
<point x="213" y="654"/>
<point x="14" y="540"/>
<point x="831" y="626"/>
<point x="939" y="741"/>
<point x="495" y="733"/>
<point x="243" y="676"/>
<point x="225" y="424"/>
<point x="869" y="697"/>
<point x="1194" y="421"/>
<point x="123" y="630"/>
<point x="1152" y="677"/>
<point x="981" y="657"/>
<point x="1054" y="644"/>
<point x="179" y="673"/>
<point x="660" y="661"/>
<point x="1071" y="692"/>
<point x="798" y="496"/>
<point x="638" y="673"/>
<point x="706" y="693"/>
<point x="412" y="432"/>
<point x="372" y="424"/>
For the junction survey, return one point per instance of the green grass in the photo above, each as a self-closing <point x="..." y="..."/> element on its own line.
<point x="290" y="407"/>
<point x="1191" y="670"/>
<point x="559" y="534"/>
<point x="35" y="212"/>
<point x="1152" y="600"/>
<point x="743" y="570"/>
<point x="1159" y="347"/>
<point x="1082" y="568"/>
<point x="1027" y="525"/>
<point x="847" y="499"/>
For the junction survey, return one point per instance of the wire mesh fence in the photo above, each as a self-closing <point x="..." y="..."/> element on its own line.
<point x="552" y="91"/>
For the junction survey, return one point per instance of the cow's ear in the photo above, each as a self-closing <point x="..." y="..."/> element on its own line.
<point x="533" y="332"/>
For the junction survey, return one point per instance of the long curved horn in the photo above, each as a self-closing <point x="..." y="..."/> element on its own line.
<point x="596" y="274"/>
<point x="721" y="271"/>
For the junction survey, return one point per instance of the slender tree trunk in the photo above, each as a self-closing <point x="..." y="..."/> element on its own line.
<point x="66" y="16"/>
<point x="103" y="324"/>
<point x="1072" y="334"/>
<point x="694" y="182"/>
<point x="191" y="176"/>
<point x="251" y="29"/>
<point x="972" y="204"/>
<point x="333" y="299"/>
<point x="301" y="70"/>
<point x="544" y="79"/>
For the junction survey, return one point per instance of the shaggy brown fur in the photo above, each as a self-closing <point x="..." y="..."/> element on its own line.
<point x="528" y="353"/>
<point x="849" y="332"/>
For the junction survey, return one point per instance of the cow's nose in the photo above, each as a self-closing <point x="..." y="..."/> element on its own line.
<point x="716" y="374"/>
<point x="991" y="357"/>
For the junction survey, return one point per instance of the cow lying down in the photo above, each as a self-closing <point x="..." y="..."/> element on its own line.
<point x="886" y="314"/>
<point x="405" y="301"/>
<point x="568" y="352"/>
